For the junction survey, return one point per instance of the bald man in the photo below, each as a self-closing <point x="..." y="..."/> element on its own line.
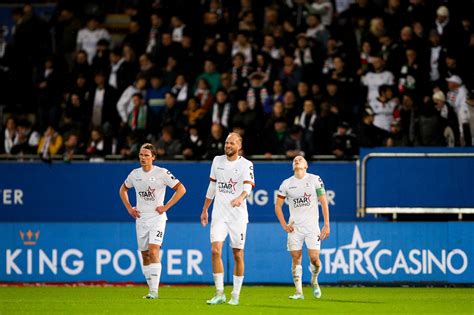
<point x="231" y="181"/>
<point x="301" y="191"/>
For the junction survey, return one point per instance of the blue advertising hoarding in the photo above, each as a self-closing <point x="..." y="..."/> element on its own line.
<point x="88" y="192"/>
<point x="355" y="252"/>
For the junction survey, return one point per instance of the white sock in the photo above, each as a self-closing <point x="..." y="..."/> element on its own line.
<point x="314" y="274"/>
<point x="146" y="272"/>
<point x="155" y="274"/>
<point x="238" y="280"/>
<point x="297" y="275"/>
<point x="219" y="282"/>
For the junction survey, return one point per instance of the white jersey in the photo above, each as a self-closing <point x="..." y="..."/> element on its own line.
<point x="230" y="177"/>
<point x="383" y="113"/>
<point x="373" y="80"/>
<point x="150" y="188"/>
<point x="302" y="195"/>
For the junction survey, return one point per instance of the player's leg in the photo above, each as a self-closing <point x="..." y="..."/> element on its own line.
<point x="142" y="241"/>
<point x="315" y="267"/>
<point x="297" y="271"/>
<point x="313" y="243"/>
<point x="237" y="233"/>
<point x="156" y="235"/>
<point x="218" y="236"/>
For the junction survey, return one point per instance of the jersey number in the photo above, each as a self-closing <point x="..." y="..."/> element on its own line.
<point x="241" y="236"/>
<point x="159" y="234"/>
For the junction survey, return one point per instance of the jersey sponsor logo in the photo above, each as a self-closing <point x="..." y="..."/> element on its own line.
<point x="303" y="201"/>
<point x="171" y="175"/>
<point x="227" y="188"/>
<point x="147" y="195"/>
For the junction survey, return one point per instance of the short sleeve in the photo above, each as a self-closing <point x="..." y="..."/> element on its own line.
<point x="128" y="181"/>
<point x="212" y="176"/>
<point x="248" y="175"/>
<point x="282" y="191"/>
<point x="169" y="179"/>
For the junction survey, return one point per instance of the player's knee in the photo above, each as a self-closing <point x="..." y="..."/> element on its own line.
<point x="315" y="260"/>
<point x="216" y="251"/>
<point x="239" y="256"/>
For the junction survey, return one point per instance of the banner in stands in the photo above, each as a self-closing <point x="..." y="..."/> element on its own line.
<point x="88" y="192"/>
<point x="355" y="253"/>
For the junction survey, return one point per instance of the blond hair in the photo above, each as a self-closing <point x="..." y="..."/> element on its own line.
<point x="149" y="146"/>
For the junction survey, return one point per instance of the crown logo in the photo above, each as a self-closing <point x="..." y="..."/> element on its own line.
<point x="29" y="238"/>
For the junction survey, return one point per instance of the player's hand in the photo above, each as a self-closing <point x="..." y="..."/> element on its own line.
<point x="204" y="218"/>
<point x="325" y="232"/>
<point x="134" y="213"/>
<point x="162" y="209"/>
<point x="288" y="228"/>
<point x="236" y="202"/>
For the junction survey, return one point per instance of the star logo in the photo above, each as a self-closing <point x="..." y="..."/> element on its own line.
<point x="232" y="183"/>
<point x="151" y="191"/>
<point x="307" y="196"/>
<point x="357" y="242"/>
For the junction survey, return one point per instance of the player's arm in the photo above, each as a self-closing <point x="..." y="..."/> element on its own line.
<point x="323" y="200"/>
<point x="211" y="192"/>
<point x="179" y="191"/>
<point x="281" y="217"/>
<point x="123" y="192"/>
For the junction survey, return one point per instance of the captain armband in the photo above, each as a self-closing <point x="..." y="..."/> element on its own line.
<point x="320" y="191"/>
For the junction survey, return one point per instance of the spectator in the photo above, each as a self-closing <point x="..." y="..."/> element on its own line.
<point x="344" y="143"/>
<point x="71" y="147"/>
<point x="49" y="144"/>
<point x="221" y="110"/>
<point x="89" y="36"/>
<point x="294" y="143"/>
<point x="373" y="79"/>
<point x="193" y="145"/>
<point x="215" y="142"/>
<point x="448" y="119"/>
<point x="371" y="136"/>
<point x="102" y="104"/>
<point x="210" y="75"/>
<point x="203" y="94"/>
<point x="384" y="107"/>
<point x="167" y="146"/>
<point x="124" y="104"/>
<point x="181" y="90"/>
<point x="456" y="97"/>
<point x="122" y="72"/>
<point x="97" y="146"/>
<point x="28" y="139"/>
<point x="137" y="119"/>
<point x="11" y="135"/>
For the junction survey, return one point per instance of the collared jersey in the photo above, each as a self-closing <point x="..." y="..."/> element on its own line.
<point x="150" y="189"/>
<point x="302" y="195"/>
<point x="230" y="177"/>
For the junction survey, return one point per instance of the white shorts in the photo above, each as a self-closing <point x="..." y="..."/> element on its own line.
<point x="150" y="233"/>
<point x="310" y="236"/>
<point x="236" y="231"/>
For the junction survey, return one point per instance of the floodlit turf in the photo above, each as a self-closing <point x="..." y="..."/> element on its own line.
<point x="254" y="300"/>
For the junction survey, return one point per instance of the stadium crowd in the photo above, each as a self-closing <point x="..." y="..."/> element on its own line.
<point x="291" y="77"/>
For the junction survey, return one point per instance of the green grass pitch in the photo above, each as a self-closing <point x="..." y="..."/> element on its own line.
<point x="176" y="300"/>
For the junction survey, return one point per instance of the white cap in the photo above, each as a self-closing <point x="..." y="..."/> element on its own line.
<point x="454" y="79"/>
<point x="442" y="11"/>
<point x="439" y="96"/>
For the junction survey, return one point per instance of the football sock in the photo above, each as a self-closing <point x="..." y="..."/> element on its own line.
<point x="155" y="274"/>
<point x="314" y="273"/>
<point x="146" y="272"/>
<point x="238" y="280"/>
<point x="297" y="274"/>
<point x="219" y="282"/>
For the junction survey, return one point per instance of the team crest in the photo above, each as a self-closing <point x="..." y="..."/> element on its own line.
<point x="152" y="179"/>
